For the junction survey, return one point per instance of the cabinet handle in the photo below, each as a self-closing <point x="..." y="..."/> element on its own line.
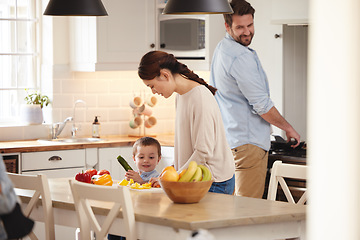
<point x="277" y="35"/>
<point x="163" y="45"/>
<point x="152" y="45"/>
<point x="55" y="158"/>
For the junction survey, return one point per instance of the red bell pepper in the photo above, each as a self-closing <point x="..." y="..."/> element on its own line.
<point x="83" y="177"/>
<point x="92" y="172"/>
<point x="103" y="171"/>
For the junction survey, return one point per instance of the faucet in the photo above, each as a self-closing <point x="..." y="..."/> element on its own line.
<point x="58" y="127"/>
<point x="74" y="128"/>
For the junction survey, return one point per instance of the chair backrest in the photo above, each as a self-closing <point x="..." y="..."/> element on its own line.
<point x="280" y="171"/>
<point x="119" y="195"/>
<point x="41" y="192"/>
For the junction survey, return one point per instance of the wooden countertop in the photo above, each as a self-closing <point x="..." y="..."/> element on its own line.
<point x="108" y="141"/>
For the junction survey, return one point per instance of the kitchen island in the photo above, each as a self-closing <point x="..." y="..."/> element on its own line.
<point x="157" y="217"/>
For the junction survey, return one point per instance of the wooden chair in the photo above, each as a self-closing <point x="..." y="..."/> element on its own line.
<point x="40" y="186"/>
<point x="280" y="171"/>
<point x="120" y="196"/>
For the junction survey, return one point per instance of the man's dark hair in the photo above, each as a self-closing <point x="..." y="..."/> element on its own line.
<point x="240" y="7"/>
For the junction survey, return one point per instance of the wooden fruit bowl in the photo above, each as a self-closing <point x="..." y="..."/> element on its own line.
<point x="185" y="192"/>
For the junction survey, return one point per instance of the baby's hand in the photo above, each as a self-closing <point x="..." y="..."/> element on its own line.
<point x="155" y="182"/>
<point x="131" y="174"/>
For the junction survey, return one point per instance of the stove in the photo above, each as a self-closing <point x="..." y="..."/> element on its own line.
<point x="284" y="149"/>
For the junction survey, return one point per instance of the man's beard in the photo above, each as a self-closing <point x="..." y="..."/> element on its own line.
<point x="245" y="42"/>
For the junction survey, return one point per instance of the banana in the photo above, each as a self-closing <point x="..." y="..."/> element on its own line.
<point x="205" y="172"/>
<point x="189" y="172"/>
<point x="197" y="175"/>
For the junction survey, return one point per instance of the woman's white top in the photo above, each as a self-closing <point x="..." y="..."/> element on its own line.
<point x="200" y="134"/>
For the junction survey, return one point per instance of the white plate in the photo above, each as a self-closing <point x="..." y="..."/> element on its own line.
<point x="149" y="190"/>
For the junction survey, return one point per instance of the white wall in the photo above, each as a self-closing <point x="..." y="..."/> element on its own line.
<point x="269" y="50"/>
<point x="295" y="39"/>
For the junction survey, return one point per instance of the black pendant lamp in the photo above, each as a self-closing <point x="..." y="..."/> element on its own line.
<point x="197" y="7"/>
<point x="75" y="8"/>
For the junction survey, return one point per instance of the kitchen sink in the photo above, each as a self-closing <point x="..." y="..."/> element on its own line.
<point x="72" y="140"/>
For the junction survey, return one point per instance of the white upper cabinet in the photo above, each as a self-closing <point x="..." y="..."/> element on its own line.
<point x="290" y="12"/>
<point x="118" y="41"/>
<point x="114" y="42"/>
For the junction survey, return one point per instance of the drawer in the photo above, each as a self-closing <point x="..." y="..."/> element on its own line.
<point x="52" y="159"/>
<point x="57" y="173"/>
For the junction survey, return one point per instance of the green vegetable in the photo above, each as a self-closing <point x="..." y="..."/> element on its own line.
<point x="123" y="163"/>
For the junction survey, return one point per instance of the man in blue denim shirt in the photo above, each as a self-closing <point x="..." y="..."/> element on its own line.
<point x="244" y="99"/>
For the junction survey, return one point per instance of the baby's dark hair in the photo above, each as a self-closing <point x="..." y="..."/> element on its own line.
<point x="146" y="141"/>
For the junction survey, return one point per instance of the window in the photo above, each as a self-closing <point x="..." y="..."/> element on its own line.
<point x="19" y="56"/>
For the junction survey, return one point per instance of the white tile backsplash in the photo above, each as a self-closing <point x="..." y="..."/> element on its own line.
<point x="84" y="75"/>
<point x="109" y="100"/>
<point x="11" y="133"/>
<point x="37" y="131"/>
<point x="97" y="86"/>
<point x="107" y="94"/>
<point x="62" y="100"/>
<point x="77" y="86"/>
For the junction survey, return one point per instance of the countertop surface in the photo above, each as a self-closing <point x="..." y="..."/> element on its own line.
<point x="106" y="142"/>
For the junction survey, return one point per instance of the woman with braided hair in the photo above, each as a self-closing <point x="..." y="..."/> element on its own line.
<point x="199" y="130"/>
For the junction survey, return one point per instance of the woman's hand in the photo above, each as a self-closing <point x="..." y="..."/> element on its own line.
<point x="131" y="174"/>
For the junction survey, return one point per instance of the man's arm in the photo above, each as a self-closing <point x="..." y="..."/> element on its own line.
<point x="274" y="117"/>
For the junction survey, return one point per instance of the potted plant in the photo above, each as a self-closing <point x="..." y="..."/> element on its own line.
<point x="37" y="98"/>
<point x="32" y="111"/>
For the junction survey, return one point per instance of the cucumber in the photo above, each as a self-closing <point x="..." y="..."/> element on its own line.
<point x="123" y="163"/>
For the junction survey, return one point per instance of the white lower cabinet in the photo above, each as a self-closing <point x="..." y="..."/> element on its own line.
<point x="91" y="158"/>
<point x="108" y="160"/>
<point x="54" y="164"/>
<point x="56" y="173"/>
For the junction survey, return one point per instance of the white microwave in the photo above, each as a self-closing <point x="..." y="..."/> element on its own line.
<point x="183" y="36"/>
